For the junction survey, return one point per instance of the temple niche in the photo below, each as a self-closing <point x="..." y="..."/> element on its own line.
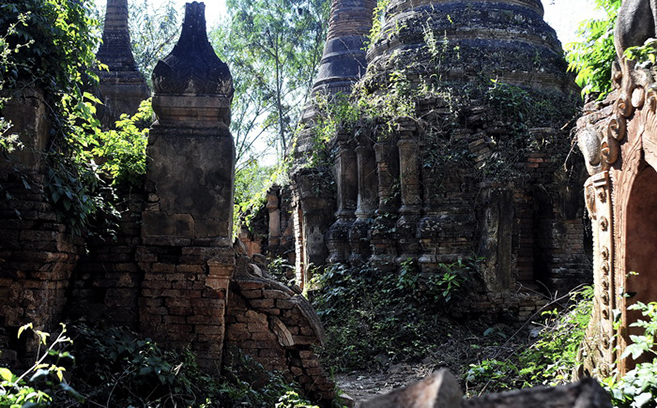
<point x="618" y="137"/>
<point x="460" y="152"/>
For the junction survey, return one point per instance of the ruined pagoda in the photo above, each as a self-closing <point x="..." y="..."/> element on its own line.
<point x="343" y="63"/>
<point x="459" y="153"/>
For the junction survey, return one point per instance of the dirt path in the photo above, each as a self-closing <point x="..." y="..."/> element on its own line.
<point x="362" y="386"/>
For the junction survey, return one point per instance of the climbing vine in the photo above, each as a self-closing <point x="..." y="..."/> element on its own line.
<point x="52" y="45"/>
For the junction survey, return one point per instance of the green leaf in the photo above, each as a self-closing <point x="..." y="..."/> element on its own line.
<point x="23" y="328"/>
<point x="6" y="374"/>
<point x="643" y="399"/>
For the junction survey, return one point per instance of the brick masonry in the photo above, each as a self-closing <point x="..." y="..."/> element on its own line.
<point x="278" y="328"/>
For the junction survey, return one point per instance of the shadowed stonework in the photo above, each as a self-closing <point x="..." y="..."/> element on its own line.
<point x="343" y="64"/>
<point x="187" y="257"/>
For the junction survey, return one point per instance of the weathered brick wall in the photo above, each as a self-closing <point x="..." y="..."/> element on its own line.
<point x="277" y="327"/>
<point x="107" y="280"/>
<point x="183" y="297"/>
<point x="37" y="257"/>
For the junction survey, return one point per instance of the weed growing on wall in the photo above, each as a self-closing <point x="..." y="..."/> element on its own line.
<point x="121" y="152"/>
<point x="44" y="381"/>
<point x="378" y="18"/>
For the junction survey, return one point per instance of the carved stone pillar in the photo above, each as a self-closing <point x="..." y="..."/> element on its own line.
<point x="367" y="201"/>
<point x="383" y="232"/>
<point x="274" y="211"/>
<point x="187" y="257"/>
<point x="411" y="192"/>
<point x="122" y="87"/>
<point x="598" y="199"/>
<point x="346" y="172"/>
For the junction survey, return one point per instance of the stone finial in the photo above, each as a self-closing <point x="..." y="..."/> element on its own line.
<point x="192" y="85"/>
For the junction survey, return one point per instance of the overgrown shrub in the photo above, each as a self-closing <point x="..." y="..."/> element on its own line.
<point x="638" y="388"/>
<point x="118" y="368"/>
<point x="372" y="316"/>
<point x="548" y="360"/>
<point x="121" y="152"/>
<point x="114" y="367"/>
<point x="39" y="385"/>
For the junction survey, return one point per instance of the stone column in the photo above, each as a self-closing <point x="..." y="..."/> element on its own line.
<point x="497" y="220"/>
<point x="367" y="201"/>
<point x="187" y="257"/>
<point x="122" y="87"/>
<point x="383" y="232"/>
<point x="345" y="167"/>
<point x="429" y="227"/>
<point x="274" y="212"/>
<point x="411" y="192"/>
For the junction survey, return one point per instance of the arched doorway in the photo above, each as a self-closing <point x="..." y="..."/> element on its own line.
<point x="640" y="280"/>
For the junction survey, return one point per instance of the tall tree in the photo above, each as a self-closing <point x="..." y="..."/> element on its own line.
<point x="153" y="32"/>
<point x="592" y="57"/>
<point x="273" y="48"/>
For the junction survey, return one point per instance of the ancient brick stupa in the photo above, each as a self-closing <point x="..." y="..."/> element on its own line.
<point x="187" y="256"/>
<point x="343" y="64"/>
<point x="122" y="87"/>
<point x="457" y="153"/>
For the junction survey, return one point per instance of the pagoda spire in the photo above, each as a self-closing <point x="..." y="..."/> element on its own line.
<point x="121" y="87"/>
<point x="344" y="60"/>
<point x="115" y="51"/>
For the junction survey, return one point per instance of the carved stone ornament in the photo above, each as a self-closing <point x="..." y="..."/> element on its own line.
<point x="599" y="204"/>
<point x="193" y="70"/>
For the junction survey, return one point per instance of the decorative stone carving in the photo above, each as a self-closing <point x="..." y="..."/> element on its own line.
<point x="193" y="87"/>
<point x="599" y="204"/>
<point x="618" y="137"/>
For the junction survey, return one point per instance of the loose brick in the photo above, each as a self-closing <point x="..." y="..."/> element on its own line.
<point x="262" y="303"/>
